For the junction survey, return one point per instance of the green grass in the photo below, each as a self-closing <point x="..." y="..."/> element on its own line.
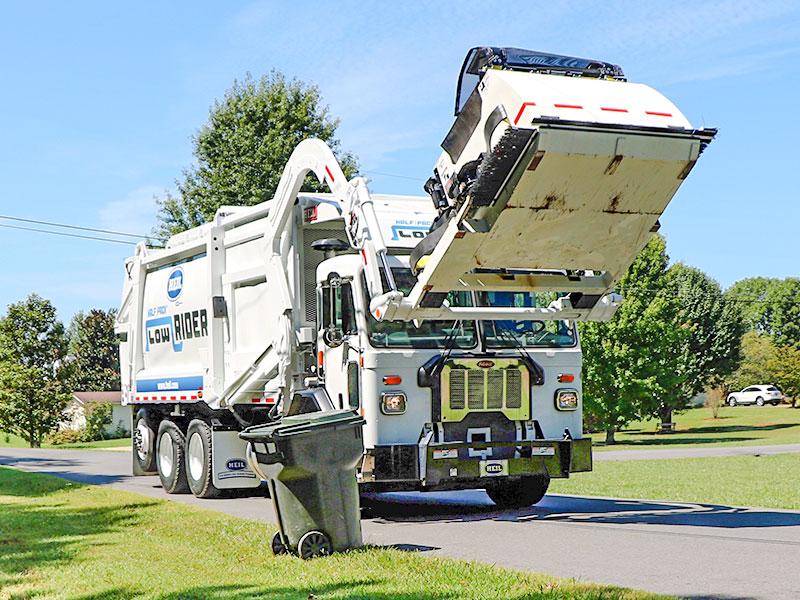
<point x="764" y="481"/>
<point x="737" y="426"/>
<point x="13" y="441"/>
<point x="61" y="540"/>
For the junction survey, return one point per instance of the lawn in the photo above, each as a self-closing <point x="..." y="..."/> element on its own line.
<point x="65" y="541"/>
<point x="9" y="440"/>
<point x="765" y="481"/>
<point x="736" y="426"/>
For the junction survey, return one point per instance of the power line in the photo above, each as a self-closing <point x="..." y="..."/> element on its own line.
<point x="393" y="175"/>
<point x="73" y="235"/>
<point x="64" y="225"/>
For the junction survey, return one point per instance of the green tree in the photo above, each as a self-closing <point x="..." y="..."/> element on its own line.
<point x="630" y="362"/>
<point x="785" y="365"/>
<point x="770" y="306"/>
<point x="98" y="416"/>
<point x="31" y="401"/>
<point x="711" y="347"/>
<point x="94" y="351"/>
<point x="758" y="361"/>
<point x="242" y="150"/>
<point x="33" y="375"/>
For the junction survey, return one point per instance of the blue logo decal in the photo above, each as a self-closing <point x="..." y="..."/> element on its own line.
<point x="170" y="384"/>
<point x="175" y="284"/>
<point x="236" y="464"/>
<point x="159" y="331"/>
<point x="409" y="231"/>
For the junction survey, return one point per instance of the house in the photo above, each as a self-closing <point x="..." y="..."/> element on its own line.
<point x="76" y="411"/>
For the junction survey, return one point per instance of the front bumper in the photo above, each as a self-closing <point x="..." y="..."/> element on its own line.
<point x="461" y="465"/>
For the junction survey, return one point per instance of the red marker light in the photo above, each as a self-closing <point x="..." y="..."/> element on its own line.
<point x="392" y="380"/>
<point x="565" y="378"/>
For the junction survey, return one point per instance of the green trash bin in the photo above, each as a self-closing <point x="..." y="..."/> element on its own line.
<point x="309" y="462"/>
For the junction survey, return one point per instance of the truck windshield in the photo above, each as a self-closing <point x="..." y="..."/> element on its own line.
<point x="429" y="334"/>
<point x="511" y="333"/>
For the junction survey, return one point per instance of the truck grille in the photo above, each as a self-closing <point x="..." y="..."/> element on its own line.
<point x="469" y="389"/>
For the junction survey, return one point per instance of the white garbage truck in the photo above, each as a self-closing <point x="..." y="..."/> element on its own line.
<point x="448" y="321"/>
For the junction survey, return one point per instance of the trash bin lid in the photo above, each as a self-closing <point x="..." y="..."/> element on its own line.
<point x="302" y="424"/>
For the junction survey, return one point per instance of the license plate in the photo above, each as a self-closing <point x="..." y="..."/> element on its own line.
<point x="452" y="453"/>
<point x="494" y="468"/>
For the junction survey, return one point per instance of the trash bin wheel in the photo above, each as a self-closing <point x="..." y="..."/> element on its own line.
<point x="278" y="547"/>
<point x="313" y="544"/>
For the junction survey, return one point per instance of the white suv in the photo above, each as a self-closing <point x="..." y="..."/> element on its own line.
<point x="756" y="394"/>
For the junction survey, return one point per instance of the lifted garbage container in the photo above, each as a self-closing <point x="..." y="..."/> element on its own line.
<point x="309" y="463"/>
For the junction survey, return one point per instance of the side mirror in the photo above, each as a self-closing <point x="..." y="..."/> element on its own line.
<point x="333" y="337"/>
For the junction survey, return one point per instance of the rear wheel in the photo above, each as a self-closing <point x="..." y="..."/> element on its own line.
<point x="759" y="401"/>
<point x="143" y="440"/>
<point x="518" y="493"/>
<point x="278" y="547"/>
<point x="732" y="401"/>
<point x="313" y="544"/>
<point x="171" y="458"/>
<point x="199" y="469"/>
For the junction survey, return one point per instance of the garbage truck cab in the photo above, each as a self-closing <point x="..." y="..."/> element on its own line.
<point x="448" y="321"/>
<point x="450" y="404"/>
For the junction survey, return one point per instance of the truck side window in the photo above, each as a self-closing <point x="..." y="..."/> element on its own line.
<point x="344" y="311"/>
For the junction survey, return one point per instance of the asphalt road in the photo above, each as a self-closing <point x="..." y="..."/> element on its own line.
<point x="697" y="551"/>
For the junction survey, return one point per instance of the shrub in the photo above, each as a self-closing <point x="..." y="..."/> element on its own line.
<point x="98" y="415"/>
<point x="65" y="436"/>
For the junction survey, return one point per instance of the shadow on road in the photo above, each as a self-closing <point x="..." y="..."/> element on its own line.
<point x="475" y="506"/>
<point x="63" y="468"/>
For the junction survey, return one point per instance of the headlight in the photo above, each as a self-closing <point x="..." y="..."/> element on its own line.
<point x="393" y="403"/>
<point x="566" y="399"/>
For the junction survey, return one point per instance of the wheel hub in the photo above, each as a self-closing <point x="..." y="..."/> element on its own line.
<point x="165" y="455"/>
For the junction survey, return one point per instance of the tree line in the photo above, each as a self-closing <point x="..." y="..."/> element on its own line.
<point x="677" y="334"/>
<point x="42" y="362"/>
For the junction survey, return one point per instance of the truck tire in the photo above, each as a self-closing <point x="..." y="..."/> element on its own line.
<point x="143" y="442"/>
<point x="199" y="459"/>
<point x="171" y="458"/>
<point x="518" y="493"/>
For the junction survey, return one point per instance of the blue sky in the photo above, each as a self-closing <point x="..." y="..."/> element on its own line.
<point x="100" y="100"/>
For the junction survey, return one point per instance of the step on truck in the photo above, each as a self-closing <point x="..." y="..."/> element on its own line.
<point x="448" y="321"/>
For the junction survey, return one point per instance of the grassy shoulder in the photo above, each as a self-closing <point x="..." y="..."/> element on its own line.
<point x="63" y="540"/>
<point x="9" y="440"/>
<point x="764" y="481"/>
<point x="736" y="426"/>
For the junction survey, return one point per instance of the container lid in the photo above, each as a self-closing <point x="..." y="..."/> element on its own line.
<point x="305" y="423"/>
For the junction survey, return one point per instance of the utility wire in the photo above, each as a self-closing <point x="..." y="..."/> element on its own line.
<point x="73" y="235"/>
<point x="392" y="175"/>
<point x="64" y="225"/>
